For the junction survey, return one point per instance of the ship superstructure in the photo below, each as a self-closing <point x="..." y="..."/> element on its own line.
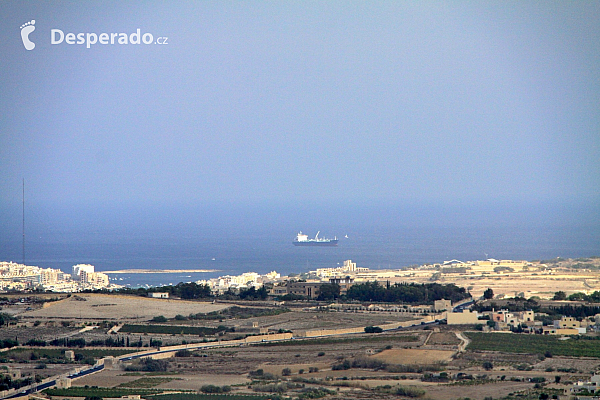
<point x="303" y="240"/>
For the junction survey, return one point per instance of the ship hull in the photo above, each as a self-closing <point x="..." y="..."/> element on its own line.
<point x="329" y="243"/>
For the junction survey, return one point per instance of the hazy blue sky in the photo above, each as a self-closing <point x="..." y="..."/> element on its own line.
<point x="292" y="102"/>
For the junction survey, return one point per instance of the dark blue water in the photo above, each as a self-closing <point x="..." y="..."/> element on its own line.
<point x="260" y="240"/>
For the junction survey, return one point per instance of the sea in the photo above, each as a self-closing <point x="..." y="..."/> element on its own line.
<point x="231" y="241"/>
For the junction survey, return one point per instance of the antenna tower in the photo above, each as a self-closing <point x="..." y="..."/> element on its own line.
<point x="23" y="220"/>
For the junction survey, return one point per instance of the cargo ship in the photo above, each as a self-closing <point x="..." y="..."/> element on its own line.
<point x="303" y="240"/>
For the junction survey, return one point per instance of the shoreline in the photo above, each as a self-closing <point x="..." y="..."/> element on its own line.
<point x="159" y="271"/>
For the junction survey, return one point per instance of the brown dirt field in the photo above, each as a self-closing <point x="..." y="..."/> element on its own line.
<point x="531" y="284"/>
<point x="414" y="356"/>
<point x="300" y="320"/>
<point x="443" y="338"/>
<point x="112" y="378"/>
<point x="276" y="368"/>
<point x="118" y="307"/>
<point x="494" y="390"/>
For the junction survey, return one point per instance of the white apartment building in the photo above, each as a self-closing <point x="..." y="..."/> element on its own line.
<point x="79" y="268"/>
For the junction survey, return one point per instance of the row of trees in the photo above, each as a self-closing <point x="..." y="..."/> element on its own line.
<point x="409" y="293"/>
<point x="121" y="341"/>
<point x="590" y="298"/>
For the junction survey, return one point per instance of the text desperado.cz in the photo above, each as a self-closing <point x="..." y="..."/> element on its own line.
<point x="57" y="37"/>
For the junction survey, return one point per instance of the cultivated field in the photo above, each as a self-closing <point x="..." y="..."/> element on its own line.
<point x="414" y="356"/>
<point x="119" y="308"/>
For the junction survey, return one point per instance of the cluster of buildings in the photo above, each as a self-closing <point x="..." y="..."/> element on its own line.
<point x="347" y="268"/>
<point x="15" y="276"/>
<point x="278" y="285"/>
<point x="484" y="266"/>
<point x="246" y="280"/>
<point x="504" y="320"/>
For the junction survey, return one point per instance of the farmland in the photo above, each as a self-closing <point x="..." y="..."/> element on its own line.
<point x="535" y="344"/>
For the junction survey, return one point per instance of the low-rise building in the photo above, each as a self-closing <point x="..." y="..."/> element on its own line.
<point x="591" y="386"/>
<point x="442" y="305"/>
<point x="159" y="295"/>
<point x="310" y="290"/>
<point x="566" y="323"/>
<point x="549" y="330"/>
<point x="466" y="317"/>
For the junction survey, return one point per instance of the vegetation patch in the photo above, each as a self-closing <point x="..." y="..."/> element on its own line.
<point x="173" y="329"/>
<point x="199" y="396"/>
<point x="236" y="312"/>
<point x="408" y="293"/>
<point x="98" y="392"/>
<point x="535" y="344"/>
<point x="57" y="356"/>
<point x="362" y="339"/>
<point x="145" y="382"/>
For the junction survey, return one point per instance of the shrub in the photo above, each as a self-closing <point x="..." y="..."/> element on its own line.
<point x="215" y="389"/>
<point x="149" y="365"/>
<point x="368" y="363"/>
<point x="343" y="366"/>
<point x="160" y="318"/>
<point x="183" y="353"/>
<point x="314" y="393"/>
<point x="373" y="329"/>
<point x="36" y="342"/>
<point x="410" y="391"/>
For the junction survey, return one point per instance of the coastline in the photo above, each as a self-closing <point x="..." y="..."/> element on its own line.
<point x="160" y="271"/>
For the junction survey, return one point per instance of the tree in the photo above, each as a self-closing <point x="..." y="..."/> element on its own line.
<point x="488" y="365"/>
<point x="560" y="295"/>
<point x="329" y="291"/>
<point x="488" y="294"/>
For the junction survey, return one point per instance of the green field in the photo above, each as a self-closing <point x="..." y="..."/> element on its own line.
<point x="198" y="396"/>
<point x="376" y="338"/>
<point x="168" y="329"/>
<point x="99" y="392"/>
<point x="534" y="344"/>
<point x="41" y="352"/>
<point x="146" y="382"/>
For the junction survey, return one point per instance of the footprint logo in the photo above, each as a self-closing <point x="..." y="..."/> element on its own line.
<point x="26" y="29"/>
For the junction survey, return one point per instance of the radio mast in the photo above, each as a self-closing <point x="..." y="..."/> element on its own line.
<point x="23" y="220"/>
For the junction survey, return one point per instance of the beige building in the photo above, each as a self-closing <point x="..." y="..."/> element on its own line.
<point x="347" y="267"/>
<point x="442" y="305"/>
<point x="463" y="318"/>
<point x="547" y="330"/>
<point x="566" y="323"/>
<point x="310" y="290"/>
